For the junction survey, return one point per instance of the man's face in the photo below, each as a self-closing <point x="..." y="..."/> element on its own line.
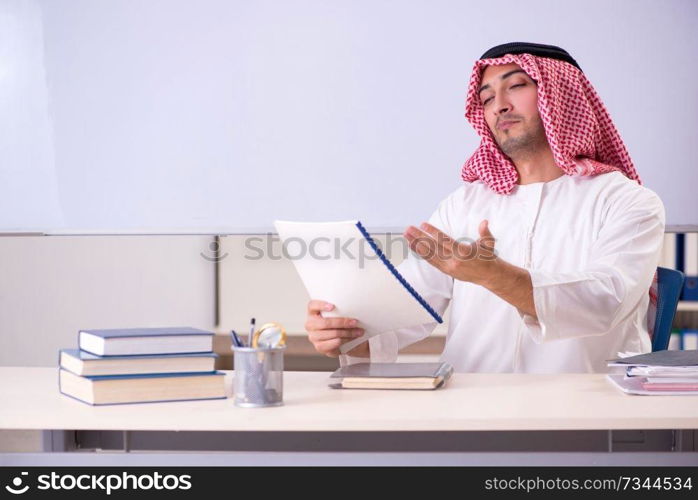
<point x="509" y="99"/>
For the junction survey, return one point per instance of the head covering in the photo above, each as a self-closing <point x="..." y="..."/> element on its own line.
<point x="579" y="129"/>
<point x="536" y="49"/>
<point x="577" y="125"/>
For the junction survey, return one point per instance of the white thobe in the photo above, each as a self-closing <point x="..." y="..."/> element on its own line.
<point x="591" y="245"/>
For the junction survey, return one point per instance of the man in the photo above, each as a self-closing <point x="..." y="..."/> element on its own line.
<point x="569" y="240"/>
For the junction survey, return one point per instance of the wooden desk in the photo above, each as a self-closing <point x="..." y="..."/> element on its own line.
<point x="470" y="405"/>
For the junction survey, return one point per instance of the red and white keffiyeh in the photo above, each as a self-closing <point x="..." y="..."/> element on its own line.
<point x="579" y="129"/>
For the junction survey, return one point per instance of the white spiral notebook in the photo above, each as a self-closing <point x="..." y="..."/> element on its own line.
<point x="340" y="263"/>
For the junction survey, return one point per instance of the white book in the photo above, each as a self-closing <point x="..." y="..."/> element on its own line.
<point x="668" y="257"/>
<point x="138" y="341"/>
<point x="691" y="254"/>
<point x="674" y="342"/>
<point x="340" y="263"/>
<point x="690" y="341"/>
<point x="87" y="364"/>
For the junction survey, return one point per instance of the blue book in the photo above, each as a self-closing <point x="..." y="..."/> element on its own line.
<point x="85" y="363"/>
<point x="690" y="288"/>
<point x="139" y="341"/>
<point x="153" y="388"/>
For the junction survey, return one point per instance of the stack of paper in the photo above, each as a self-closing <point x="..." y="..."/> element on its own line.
<point x="658" y="373"/>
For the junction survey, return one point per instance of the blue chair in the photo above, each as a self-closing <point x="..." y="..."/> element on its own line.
<point x="669" y="286"/>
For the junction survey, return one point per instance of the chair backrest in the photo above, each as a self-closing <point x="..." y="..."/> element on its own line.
<point x="669" y="286"/>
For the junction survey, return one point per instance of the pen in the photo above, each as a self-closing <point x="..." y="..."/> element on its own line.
<point x="249" y="340"/>
<point x="236" y="340"/>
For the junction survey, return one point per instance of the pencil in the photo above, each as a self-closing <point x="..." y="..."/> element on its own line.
<point x="249" y="340"/>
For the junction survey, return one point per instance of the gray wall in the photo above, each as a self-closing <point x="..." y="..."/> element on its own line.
<point x="50" y="287"/>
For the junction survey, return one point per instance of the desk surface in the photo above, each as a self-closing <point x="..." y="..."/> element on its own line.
<point x="470" y="402"/>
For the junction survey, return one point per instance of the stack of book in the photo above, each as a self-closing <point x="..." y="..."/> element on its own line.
<point x="140" y="365"/>
<point x="658" y="373"/>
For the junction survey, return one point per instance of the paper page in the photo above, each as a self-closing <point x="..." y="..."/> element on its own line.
<point x="633" y="385"/>
<point x="338" y="265"/>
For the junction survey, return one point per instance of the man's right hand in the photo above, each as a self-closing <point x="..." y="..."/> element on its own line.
<point x="328" y="334"/>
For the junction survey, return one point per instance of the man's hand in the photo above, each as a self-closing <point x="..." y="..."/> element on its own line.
<point x="328" y="334"/>
<point x="473" y="262"/>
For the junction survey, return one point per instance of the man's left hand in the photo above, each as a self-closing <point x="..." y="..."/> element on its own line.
<point x="473" y="262"/>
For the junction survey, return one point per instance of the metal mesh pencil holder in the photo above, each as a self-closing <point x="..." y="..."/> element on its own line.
<point x="258" y="377"/>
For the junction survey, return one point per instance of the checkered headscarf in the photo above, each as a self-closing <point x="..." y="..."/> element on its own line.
<point x="580" y="132"/>
<point x="577" y="125"/>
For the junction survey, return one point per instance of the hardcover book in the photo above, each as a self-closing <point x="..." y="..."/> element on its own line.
<point x="121" y="389"/>
<point x="128" y="341"/>
<point x="392" y="376"/>
<point x="84" y="363"/>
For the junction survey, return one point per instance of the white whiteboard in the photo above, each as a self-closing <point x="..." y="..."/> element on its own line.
<point x="220" y="116"/>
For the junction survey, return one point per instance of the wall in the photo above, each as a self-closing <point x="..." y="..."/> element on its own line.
<point x="50" y="287"/>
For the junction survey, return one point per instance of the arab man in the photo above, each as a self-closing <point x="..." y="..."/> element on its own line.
<point x="547" y="253"/>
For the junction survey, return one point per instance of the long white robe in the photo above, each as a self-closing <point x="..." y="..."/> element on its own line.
<point x="591" y="245"/>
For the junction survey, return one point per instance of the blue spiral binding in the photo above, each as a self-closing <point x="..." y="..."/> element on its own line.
<point x="397" y="274"/>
